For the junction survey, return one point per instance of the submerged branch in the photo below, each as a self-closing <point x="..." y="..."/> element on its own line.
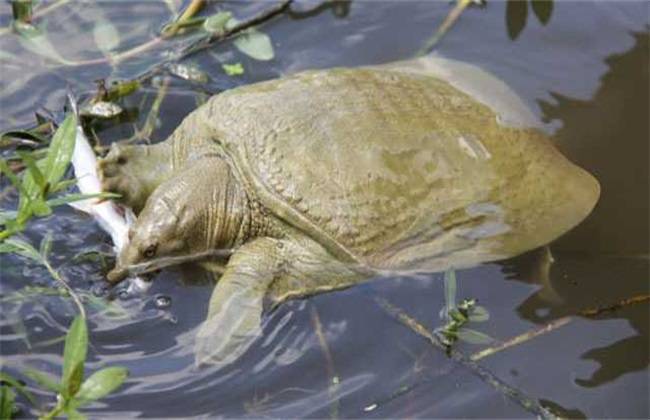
<point x="333" y="382"/>
<point x="557" y="323"/>
<point x="528" y="403"/>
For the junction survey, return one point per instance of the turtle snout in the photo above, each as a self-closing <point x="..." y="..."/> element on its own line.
<point x="117" y="274"/>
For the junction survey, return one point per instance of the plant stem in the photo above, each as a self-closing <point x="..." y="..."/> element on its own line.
<point x="449" y="21"/>
<point x="557" y="323"/>
<point x="530" y="404"/>
<point x="55" y="274"/>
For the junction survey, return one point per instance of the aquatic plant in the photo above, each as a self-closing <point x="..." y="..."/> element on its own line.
<point x="72" y="391"/>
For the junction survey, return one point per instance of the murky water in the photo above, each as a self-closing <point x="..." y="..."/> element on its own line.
<point x="585" y="73"/>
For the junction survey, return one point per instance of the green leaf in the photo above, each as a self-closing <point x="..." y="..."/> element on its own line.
<point x="74" y="357"/>
<point x="4" y="168"/>
<point x="107" y="38"/>
<point x="543" y="9"/>
<point x="233" y="69"/>
<point x="217" y="23"/>
<point x="101" y="383"/>
<point x="73" y="414"/>
<point x="20" y="247"/>
<point x="40" y="208"/>
<point x="6" y="215"/>
<point x="255" y="44"/>
<point x="60" y="151"/>
<point x="7" y="397"/>
<point x="33" y="39"/>
<point x="473" y="337"/>
<point x="44" y="380"/>
<point x="479" y="314"/>
<point x="24" y="134"/>
<point x="53" y="168"/>
<point x="46" y="245"/>
<point x="516" y="16"/>
<point x="15" y="384"/>
<point x="33" y="170"/>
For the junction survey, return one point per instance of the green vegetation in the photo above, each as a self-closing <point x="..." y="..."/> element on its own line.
<point x="42" y="179"/>
<point x="458" y="315"/>
<point x="72" y="391"/>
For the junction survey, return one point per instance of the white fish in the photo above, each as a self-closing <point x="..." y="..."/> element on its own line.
<point x="113" y="218"/>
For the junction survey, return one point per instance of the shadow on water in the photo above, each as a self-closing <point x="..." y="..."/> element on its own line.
<point x="607" y="255"/>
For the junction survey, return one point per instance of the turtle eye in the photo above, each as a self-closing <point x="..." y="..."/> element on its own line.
<point x="150" y="251"/>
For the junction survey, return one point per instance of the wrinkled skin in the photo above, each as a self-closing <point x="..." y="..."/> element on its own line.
<point x="320" y="180"/>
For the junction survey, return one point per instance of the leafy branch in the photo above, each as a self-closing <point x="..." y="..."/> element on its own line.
<point x="73" y="392"/>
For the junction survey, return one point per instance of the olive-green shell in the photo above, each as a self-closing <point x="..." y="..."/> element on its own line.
<point x="397" y="170"/>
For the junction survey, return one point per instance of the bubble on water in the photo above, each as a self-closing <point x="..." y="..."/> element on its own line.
<point x="163" y="301"/>
<point x="100" y="289"/>
<point x="123" y="294"/>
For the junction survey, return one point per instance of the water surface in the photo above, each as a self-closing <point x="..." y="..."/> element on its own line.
<point x="585" y="73"/>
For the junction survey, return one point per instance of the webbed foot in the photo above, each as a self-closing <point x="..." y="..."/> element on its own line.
<point x="134" y="172"/>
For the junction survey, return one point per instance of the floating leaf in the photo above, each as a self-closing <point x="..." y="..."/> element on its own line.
<point x="107" y="38"/>
<point x="101" y="383"/>
<point x="189" y="72"/>
<point x="33" y="39"/>
<point x="233" y="69"/>
<point x="543" y="10"/>
<point x="255" y="44"/>
<point x="216" y="24"/>
<point x="473" y="337"/>
<point x="74" y="357"/>
<point x="44" y="380"/>
<point x="101" y="109"/>
<point x="479" y="314"/>
<point x="516" y="15"/>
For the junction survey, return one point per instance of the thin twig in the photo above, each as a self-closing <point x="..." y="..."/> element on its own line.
<point x="557" y="323"/>
<point x="449" y="21"/>
<point x="528" y="403"/>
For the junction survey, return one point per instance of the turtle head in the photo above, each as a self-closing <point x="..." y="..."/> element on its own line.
<point x="188" y="217"/>
<point x="156" y="234"/>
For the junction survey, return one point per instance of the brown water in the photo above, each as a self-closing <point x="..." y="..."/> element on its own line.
<point x="585" y="73"/>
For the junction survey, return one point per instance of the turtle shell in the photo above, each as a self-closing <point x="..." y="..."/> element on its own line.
<point x="397" y="170"/>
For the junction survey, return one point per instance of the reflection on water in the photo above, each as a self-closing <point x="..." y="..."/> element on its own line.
<point x="585" y="72"/>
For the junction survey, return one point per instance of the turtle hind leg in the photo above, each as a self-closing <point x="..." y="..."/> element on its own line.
<point x="134" y="171"/>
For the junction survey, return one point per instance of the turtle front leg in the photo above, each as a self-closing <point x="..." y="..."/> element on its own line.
<point x="264" y="269"/>
<point x="135" y="171"/>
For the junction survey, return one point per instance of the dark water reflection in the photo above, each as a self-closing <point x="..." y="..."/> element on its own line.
<point x="585" y="72"/>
